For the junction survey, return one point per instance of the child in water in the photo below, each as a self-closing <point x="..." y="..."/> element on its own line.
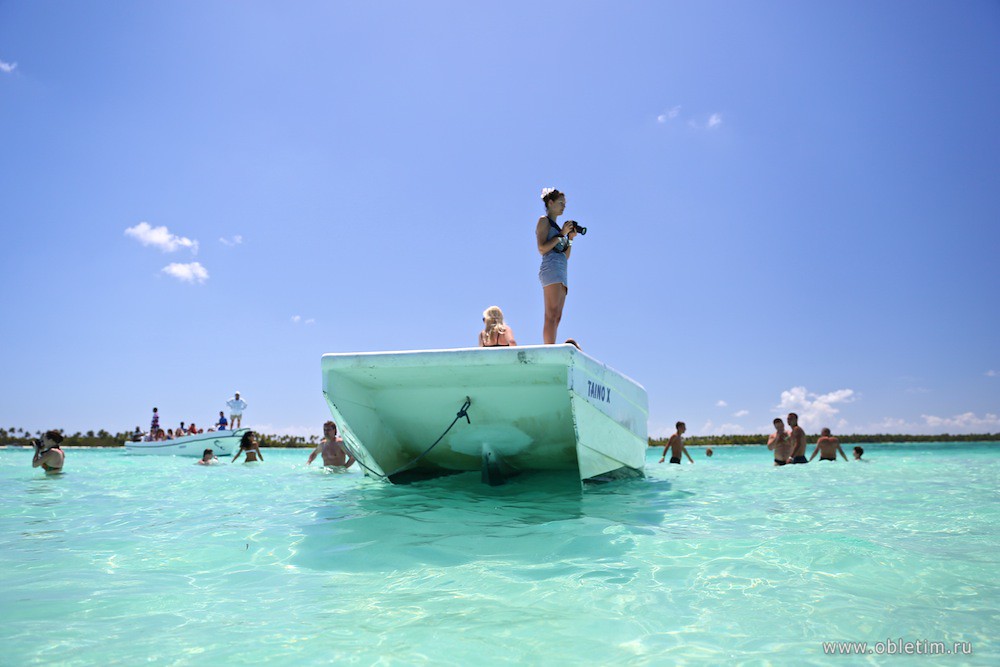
<point x="249" y="446"/>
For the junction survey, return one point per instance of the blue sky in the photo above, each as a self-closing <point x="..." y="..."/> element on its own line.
<point x="790" y="205"/>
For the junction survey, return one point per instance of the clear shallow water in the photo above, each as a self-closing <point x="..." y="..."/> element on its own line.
<point x="128" y="559"/>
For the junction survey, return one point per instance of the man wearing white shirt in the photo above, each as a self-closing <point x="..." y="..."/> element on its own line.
<point x="236" y="408"/>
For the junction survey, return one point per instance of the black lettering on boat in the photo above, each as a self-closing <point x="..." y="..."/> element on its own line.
<point x="598" y="391"/>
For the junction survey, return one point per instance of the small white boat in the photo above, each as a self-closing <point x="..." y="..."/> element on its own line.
<point x="511" y="409"/>
<point x="222" y="443"/>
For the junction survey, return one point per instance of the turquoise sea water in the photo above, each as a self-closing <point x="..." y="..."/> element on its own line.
<point x="128" y="560"/>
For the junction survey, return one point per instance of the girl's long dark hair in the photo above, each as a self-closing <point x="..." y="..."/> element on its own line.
<point x="245" y="442"/>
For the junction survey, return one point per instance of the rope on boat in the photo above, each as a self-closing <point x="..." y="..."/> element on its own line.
<point x="463" y="412"/>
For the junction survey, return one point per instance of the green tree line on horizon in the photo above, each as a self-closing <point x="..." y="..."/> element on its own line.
<point x="102" y="438"/>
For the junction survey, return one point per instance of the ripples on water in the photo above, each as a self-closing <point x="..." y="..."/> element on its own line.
<point x="155" y="559"/>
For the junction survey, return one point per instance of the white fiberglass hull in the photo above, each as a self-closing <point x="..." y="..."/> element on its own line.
<point x="222" y="443"/>
<point x="542" y="407"/>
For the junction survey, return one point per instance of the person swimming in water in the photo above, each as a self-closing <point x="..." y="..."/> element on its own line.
<point x="208" y="458"/>
<point x="250" y="447"/>
<point x="779" y="443"/>
<point x="827" y="447"/>
<point x="335" y="455"/>
<point x="676" y="446"/>
<point x="49" y="456"/>
<point x="798" y="440"/>
<point x="858" y="451"/>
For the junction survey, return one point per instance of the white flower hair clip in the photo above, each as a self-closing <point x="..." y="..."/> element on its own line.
<point x="547" y="191"/>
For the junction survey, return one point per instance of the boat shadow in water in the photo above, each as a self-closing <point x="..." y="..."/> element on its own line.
<point x="536" y="523"/>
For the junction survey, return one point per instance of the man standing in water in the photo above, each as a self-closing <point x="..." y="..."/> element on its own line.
<point x="798" y="439"/>
<point x="676" y="446"/>
<point x="779" y="443"/>
<point x="236" y="408"/>
<point x="827" y="447"/>
<point x="48" y="455"/>
<point x="335" y="455"/>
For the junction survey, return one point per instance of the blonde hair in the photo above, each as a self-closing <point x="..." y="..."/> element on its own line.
<point x="493" y="322"/>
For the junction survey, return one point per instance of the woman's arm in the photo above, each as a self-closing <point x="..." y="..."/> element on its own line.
<point x="510" y="337"/>
<point x="482" y="339"/>
<point x="237" y="455"/>
<point x="542" y="231"/>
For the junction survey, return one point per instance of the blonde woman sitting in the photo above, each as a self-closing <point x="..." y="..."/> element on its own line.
<point x="495" y="333"/>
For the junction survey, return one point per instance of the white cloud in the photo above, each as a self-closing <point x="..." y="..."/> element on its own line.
<point x="964" y="421"/>
<point x="889" y="425"/>
<point x="7" y="68"/>
<point x="917" y="390"/>
<point x="741" y="413"/>
<point x="232" y="240"/>
<point x="814" y="410"/>
<point x="296" y="319"/>
<point x="160" y="237"/>
<point x="721" y="404"/>
<point x="311" y="321"/>
<point x="188" y="273"/>
<point x="669" y="115"/>
<point x="992" y="374"/>
<point x="714" y="121"/>
<point x="709" y="428"/>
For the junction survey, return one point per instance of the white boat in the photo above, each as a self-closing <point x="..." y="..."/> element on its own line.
<point x="512" y="409"/>
<point x="222" y="443"/>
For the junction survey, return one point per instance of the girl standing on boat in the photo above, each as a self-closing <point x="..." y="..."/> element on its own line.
<point x="249" y="446"/>
<point x="495" y="333"/>
<point x="554" y="244"/>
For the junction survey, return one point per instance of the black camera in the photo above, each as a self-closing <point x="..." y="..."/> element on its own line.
<point x="578" y="229"/>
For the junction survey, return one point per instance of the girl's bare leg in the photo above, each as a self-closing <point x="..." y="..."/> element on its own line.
<point x="555" y="299"/>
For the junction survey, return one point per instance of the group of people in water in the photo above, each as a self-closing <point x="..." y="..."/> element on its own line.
<point x="789" y="447"/>
<point x="331" y="448"/>
<point x="50" y="456"/>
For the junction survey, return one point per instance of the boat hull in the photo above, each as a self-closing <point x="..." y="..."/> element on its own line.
<point x="222" y="443"/>
<point x="531" y="408"/>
